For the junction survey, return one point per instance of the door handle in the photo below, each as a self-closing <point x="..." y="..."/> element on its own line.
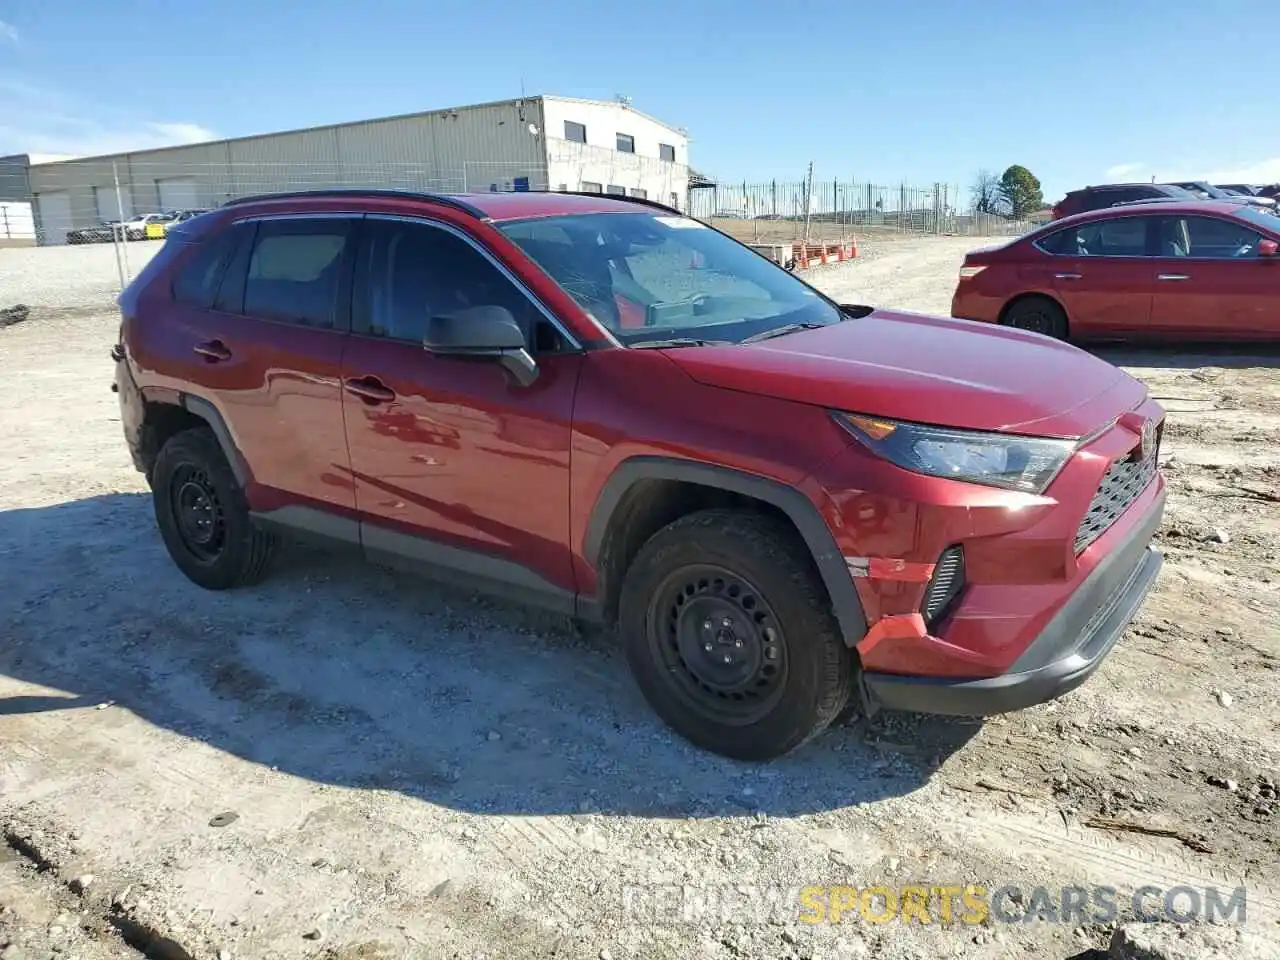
<point x="1172" y="276"/>
<point x="213" y="350"/>
<point x="1067" y="276"/>
<point x="371" y="390"/>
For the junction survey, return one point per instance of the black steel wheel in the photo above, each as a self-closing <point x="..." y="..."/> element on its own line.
<point x="721" y="644"/>
<point x="203" y="515"/>
<point x="730" y="634"/>
<point x="197" y="512"/>
<point x="1037" y="315"/>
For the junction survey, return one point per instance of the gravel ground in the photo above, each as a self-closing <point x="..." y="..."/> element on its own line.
<point x="350" y="763"/>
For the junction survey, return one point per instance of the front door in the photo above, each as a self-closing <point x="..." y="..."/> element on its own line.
<point x="454" y="463"/>
<point x="1212" y="284"/>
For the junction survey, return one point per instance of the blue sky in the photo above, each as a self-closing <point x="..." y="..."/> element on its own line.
<point x="1080" y="92"/>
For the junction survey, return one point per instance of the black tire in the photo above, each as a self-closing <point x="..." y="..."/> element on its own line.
<point x="1038" y="315"/>
<point x="203" y="515"/>
<point x="791" y="673"/>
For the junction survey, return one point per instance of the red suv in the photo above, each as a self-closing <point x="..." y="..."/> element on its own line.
<point x="785" y="504"/>
<point x="1203" y="270"/>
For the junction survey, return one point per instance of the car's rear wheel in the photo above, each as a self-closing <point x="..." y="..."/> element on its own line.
<point x="1039" y="315"/>
<point x="203" y="515"/>
<point x="730" y="636"/>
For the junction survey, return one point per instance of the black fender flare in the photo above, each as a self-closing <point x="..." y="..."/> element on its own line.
<point x="206" y="411"/>
<point x="795" y="505"/>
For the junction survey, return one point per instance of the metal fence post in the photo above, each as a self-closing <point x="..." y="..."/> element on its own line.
<point x="122" y="255"/>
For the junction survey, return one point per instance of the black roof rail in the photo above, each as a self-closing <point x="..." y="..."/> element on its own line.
<point x="442" y="199"/>
<point x="642" y="201"/>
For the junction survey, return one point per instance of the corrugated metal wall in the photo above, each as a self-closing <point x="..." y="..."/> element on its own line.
<point x="470" y="148"/>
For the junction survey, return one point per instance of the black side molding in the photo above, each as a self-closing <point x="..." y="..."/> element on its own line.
<point x="808" y="521"/>
<point x="207" y="412"/>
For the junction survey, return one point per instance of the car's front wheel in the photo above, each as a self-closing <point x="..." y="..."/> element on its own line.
<point x="203" y="515"/>
<point x="729" y="633"/>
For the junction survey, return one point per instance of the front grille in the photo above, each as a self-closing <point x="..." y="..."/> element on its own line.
<point x="1120" y="486"/>
<point x="946" y="583"/>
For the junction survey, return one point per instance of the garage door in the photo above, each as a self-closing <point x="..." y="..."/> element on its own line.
<point x="54" y="212"/>
<point x="180" y="193"/>
<point x="108" y="207"/>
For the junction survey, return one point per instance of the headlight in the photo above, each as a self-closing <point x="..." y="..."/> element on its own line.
<point x="1003" y="460"/>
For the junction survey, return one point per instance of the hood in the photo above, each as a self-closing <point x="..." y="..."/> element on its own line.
<point x="936" y="370"/>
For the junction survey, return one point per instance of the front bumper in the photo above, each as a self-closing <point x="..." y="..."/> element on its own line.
<point x="1062" y="656"/>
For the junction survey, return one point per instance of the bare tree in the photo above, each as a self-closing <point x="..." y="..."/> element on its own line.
<point x="987" y="194"/>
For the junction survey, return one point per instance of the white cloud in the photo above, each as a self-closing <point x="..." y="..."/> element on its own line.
<point x="1261" y="171"/>
<point x="41" y="121"/>
<point x="8" y="32"/>
<point x="1124" y="169"/>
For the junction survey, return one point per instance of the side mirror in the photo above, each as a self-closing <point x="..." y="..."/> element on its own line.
<point x="485" y="332"/>
<point x="1268" y="248"/>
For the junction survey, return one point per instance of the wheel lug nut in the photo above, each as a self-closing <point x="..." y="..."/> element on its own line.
<point x="706" y="647"/>
<point x="728" y="658"/>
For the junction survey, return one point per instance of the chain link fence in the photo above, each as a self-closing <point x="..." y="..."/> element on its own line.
<point x="128" y="202"/>
<point x="828" y="210"/>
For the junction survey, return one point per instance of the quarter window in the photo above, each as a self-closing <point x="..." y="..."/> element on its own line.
<point x="294" y="271"/>
<point x="196" y="282"/>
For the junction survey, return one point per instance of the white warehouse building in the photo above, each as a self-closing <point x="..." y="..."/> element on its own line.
<point x="530" y="143"/>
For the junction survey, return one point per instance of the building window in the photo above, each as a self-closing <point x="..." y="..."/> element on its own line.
<point x="614" y="190"/>
<point x="666" y="152"/>
<point x="675" y="201"/>
<point x="626" y="143"/>
<point x="638" y="193"/>
<point x="575" y="132"/>
<point x="563" y="188"/>
<point x="590" y="186"/>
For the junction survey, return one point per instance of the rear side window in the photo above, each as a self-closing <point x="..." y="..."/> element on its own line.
<point x="1118" y="237"/>
<point x="295" y="271"/>
<point x="196" y="280"/>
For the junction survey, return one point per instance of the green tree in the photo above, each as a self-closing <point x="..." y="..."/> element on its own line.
<point x="1021" y="192"/>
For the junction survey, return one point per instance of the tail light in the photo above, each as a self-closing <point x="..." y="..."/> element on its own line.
<point x="969" y="271"/>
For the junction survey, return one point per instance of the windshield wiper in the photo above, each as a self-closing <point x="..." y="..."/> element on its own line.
<point x="675" y="342"/>
<point x="781" y="331"/>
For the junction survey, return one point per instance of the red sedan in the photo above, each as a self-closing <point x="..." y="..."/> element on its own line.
<point x="1203" y="270"/>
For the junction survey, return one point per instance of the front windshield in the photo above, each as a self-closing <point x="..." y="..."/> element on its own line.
<point x="647" y="276"/>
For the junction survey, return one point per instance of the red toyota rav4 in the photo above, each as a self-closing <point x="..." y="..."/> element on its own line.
<point x="786" y="505"/>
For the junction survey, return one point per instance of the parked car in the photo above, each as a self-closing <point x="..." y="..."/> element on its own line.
<point x="598" y="404"/>
<point x="1241" y="189"/>
<point x="100" y="233"/>
<point x="1206" y="191"/>
<point x="135" y="228"/>
<point x="1201" y="270"/>
<point x="1110" y="194"/>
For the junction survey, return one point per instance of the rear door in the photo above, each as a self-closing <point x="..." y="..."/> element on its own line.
<point x="1102" y="276"/>
<point x="1211" y="283"/>
<point x="266" y="350"/>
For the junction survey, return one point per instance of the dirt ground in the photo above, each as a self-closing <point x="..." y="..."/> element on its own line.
<point x="349" y="763"/>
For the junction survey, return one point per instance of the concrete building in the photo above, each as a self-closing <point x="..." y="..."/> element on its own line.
<point x="531" y="143"/>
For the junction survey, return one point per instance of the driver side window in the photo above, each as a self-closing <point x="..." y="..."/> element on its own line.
<point x="408" y="272"/>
